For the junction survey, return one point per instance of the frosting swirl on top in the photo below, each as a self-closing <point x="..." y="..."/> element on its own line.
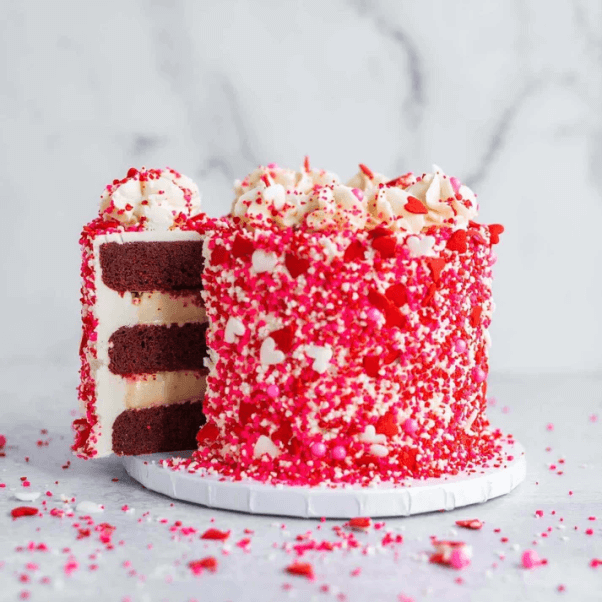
<point x="157" y="199"/>
<point x="316" y="197"/>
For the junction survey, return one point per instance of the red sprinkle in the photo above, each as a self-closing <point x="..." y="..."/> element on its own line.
<point x="301" y="569"/>
<point x="215" y="534"/>
<point x="24" y="511"/>
<point x="198" y="566"/>
<point x="473" y="523"/>
<point x="366" y="171"/>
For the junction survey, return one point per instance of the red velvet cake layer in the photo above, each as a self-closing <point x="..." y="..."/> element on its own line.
<point x="152" y="266"/>
<point x="158" y="429"/>
<point x="150" y="348"/>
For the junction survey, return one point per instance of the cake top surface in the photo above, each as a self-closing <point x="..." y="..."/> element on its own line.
<point x="154" y="199"/>
<point x="288" y="198"/>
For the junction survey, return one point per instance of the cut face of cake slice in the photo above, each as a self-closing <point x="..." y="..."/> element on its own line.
<point x="143" y="345"/>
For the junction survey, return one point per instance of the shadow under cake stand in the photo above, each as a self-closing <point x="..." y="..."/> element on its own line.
<point x="346" y="501"/>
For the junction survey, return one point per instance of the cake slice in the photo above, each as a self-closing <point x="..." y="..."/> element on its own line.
<point x="348" y="330"/>
<point x="143" y="345"/>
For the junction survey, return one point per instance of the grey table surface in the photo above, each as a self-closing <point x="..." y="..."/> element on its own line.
<point x="555" y="417"/>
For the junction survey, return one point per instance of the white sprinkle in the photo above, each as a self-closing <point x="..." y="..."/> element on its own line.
<point x="27" y="496"/>
<point x="89" y="507"/>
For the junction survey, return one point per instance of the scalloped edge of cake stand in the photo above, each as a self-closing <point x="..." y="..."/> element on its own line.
<point x="383" y="500"/>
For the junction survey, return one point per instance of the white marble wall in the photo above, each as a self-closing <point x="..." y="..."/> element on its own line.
<point x="505" y="95"/>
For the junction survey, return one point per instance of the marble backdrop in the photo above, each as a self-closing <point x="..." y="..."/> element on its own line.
<point x="505" y="95"/>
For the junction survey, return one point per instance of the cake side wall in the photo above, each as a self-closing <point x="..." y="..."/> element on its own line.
<point x="346" y="356"/>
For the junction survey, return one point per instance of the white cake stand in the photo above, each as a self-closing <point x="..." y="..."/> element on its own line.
<point x="414" y="497"/>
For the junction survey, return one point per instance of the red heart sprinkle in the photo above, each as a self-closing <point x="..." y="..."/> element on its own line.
<point x="494" y="233"/>
<point x="387" y="425"/>
<point x="391" y="357"/>
<point x="296" y="265"/>
<point x="361" y="522"/>
<point x="23" y="511"/>
<point x="209" y="432"/>
<point x="197" y="566"/>
<point x="430" y="293"/>
<point x="354" y="251"/>
<point x="378" y="300"/>
<point x="245" y="411"/>
<point x="436" y="264"/>
<point x="393" y="317"/>
<point x="385" y="245"/>
<point x="397" y="294"/>
<point x="474" y="523"/>
<point x="414" y="205"/>
<point x="475" y="316"/>
<point x="371" y="365"/>
<point x="378" y="232"/>
<point x="302" y="569"/>
<point x="219" y="255"/>
<point x="457" y="241"/>
<point x="241" y="247"/>
<point x="215" y="534"/>
<point x="284" y="338"/>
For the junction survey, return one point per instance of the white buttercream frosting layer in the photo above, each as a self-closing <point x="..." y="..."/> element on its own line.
<point x="157" y="199"/>
<point x="275" y="195"/>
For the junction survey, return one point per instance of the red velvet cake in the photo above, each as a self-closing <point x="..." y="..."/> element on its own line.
<point x="143" y="346"/>
<point x="347" y="333"/>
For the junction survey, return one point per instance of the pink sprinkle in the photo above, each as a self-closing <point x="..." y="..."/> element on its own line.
<point x="319" y="450"/>
<point x="358" y="193"/>
<point x="460" y="346"/>
<point x="539" y="513"/>
<point x="273" y="165"/>
<point x="273" y="391"/>
<point x="373" y="314"/>
<point x="410" y="426"/>
<point x="70" y="566"/>
<point x="561" y="587"/>
<point x="589" y="531"/>
<point x="459" y="559"/>
<point x="455" y="184"/>
<point x="3" y="438"/>
<point x="339" y="452"/>
<point x="550" y="426"/>
<point x="530" y="559"/>
<point x="479" y="375"/>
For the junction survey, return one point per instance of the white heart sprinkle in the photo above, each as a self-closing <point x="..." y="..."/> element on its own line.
<point x="27" y="496"/>
<point x="369" y="435"/>
<point x="268" y="353"/>
<point x="234" y="328"/>
<point x="420" y="246"/>
<point x="263" y="262"/>
<point x="321" y="357"/>
<point x="89" y="507"/>
<point x="265" y="445"/>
